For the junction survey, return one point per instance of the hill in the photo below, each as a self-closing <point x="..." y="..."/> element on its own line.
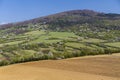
<point x="60" y="36"/>
<point x="69" y="18"/>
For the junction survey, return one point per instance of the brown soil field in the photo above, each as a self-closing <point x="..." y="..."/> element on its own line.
<point x="102" y="67"/>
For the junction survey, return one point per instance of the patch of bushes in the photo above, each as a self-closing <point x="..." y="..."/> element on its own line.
<point x="4" y="62"/>
<point x="42" y="51"/>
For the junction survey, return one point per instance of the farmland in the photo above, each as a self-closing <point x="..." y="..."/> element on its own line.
<point x="59" y="37"/>
<point x="40" y="44"/>
<point x="102" y="67"/>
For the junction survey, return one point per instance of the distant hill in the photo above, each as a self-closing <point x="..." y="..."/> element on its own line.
<point x="68" y="19"/>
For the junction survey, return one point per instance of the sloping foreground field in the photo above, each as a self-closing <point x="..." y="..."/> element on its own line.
<point x="106" y="67"/>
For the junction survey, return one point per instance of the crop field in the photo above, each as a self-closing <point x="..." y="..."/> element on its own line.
<point x="102" y="67"/>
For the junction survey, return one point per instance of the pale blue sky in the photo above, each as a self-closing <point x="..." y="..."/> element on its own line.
<point x="19" y="10"/>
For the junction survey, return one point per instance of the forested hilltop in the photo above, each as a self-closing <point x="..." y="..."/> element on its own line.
<point x="58" y="36"/>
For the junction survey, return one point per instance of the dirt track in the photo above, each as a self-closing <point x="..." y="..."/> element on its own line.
<point x="105" y="67"/>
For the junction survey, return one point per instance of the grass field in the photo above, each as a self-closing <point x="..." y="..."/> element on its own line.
<point x="114" y="44"/>
<point x="93" y="40"/>
<point x="61" y="45"/>
<point x="11" y="43"/>
<point x="53" y="37"/>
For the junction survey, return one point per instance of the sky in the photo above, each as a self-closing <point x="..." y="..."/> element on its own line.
<point x="20" y="10"/>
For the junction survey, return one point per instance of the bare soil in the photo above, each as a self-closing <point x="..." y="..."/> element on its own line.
<point x="103" y="67"/>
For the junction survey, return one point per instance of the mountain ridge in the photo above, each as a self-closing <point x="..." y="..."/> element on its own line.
<point x="47" y="19"/>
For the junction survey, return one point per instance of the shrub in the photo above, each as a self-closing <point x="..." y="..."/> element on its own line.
<point x="4" y="62"/>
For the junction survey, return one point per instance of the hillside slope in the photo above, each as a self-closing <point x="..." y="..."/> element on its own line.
<point x="60" y="36"/>
<point x="70" y="18"/>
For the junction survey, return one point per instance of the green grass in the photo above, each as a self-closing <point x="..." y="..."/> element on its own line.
<point x="115" y="44"/>
<point x="26" y="53"/>
<point x="62" y="35"/>
<point x="59" y="35"/>
<point x="93" y="40"/>
<point x="94" y="46"/>
<point x="1" y="56"/>
<point x="32" y="33"/>
<point x="77" y="45"/>
<point x="44" y="39"/>
<point x="11" y="43"/>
